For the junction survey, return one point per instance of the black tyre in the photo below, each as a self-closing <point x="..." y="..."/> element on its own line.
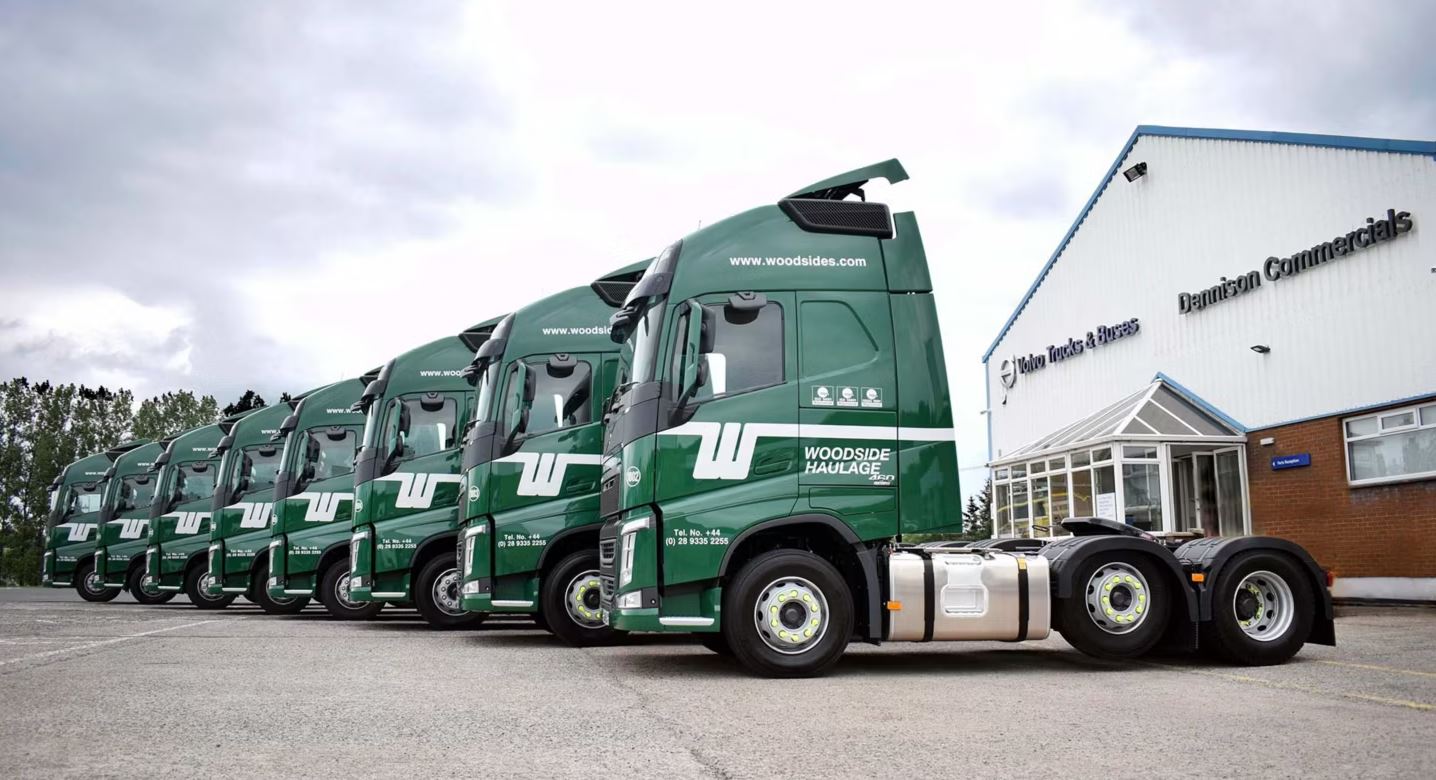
<point x="717" y="643"/>
<point x="90" y="585"/>
<point x="334" y="594"/>
<point x="1262" y="610"/>
<point x="195" y="581"/>
<point x="1119" y="606"/>
<point x="788" y="613"/>
<point x="134" y="584"/>
<point x="569" y="598"/>
<point x="541" y="620"/>
<point x="258" y="587"/>
<point x="437" y="597"/>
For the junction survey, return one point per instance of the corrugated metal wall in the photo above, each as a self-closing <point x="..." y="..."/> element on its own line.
<point x="1355" y="332"/>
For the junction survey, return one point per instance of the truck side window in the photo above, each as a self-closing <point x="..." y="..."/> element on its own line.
<point x="335" y="453"/>
<point x="561" y="395"/>
<point x="136" y="491"/>
<point x="747" y="350"/>
<point x="196" y="481"/>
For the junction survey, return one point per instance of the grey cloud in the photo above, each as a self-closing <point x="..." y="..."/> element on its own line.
<point x="163" y="149"/>
<point x="1324" y="66"/>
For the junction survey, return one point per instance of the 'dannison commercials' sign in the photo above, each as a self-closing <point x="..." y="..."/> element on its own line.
<point x="1375" y="231"/>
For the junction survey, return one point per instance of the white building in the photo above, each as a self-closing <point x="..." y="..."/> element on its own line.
<point x="1237" y="335"/>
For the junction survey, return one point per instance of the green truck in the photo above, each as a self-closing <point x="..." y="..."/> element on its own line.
<point x="124" y="523"/>
<point x="783" y="422"/>
<point x="529" y="532"/>
<point x="242" y="508"/>
<point x="406" y="480"/>
<point x="176" y="559"/>
<point x="75" y="499"/>
<point x="314" y="500"/>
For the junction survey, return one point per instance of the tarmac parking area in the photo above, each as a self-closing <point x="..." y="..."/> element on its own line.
<point x="119" y="689"/>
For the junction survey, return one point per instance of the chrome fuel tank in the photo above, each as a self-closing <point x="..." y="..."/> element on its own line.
<point x="976" y="594"/>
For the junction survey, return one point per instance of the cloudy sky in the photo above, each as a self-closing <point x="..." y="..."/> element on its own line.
<point x="273" y="195"/>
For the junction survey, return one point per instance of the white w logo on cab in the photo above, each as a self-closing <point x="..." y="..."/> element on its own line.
<point x="416" y="490"/>
<point x="323" y="507"/>
<point x="256" y="515"/>
<point x="133" y="527"/>
<point x="188" y="523"/>
<point x="544" y="472"/>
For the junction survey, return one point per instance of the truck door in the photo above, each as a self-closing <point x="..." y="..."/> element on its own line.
<point x="847" y="396"/>
<point x="728" y="457"/>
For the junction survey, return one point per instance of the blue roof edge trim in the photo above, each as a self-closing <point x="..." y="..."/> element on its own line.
<point x="1396" y="146"/>
<point x="1200" y="402"/>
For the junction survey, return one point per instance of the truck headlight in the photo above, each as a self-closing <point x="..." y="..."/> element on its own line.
<point x="470" y="540"/>
<point x="632" y="600"/>
<point x="354" y="542"/>
<point x="628" y="540"/>
<point x="471" y="588"/>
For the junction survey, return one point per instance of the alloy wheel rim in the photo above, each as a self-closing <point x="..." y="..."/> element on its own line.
<point x="93" y="582"/>
<point x="341" y="592"/>
<point x="1264" y="606"/>
<point x="791" y="615"/>
<point x="446" y="592"/>
<point x="1118" y="598"/>
<point x="581" y="599"/>
<point x="205" y="583"/>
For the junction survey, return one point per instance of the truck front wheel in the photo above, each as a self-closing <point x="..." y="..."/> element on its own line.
<point x="569" y="601"/>
<point x="436" y="594"/>
<point x="196" y="585"/>
<point x="334" y="595"/>
<point x="259" y="587"/>
<point x="90" y="585"/>
<point x="1118" y="607"/>
<point x="1262" y="609"/>
<point x="138" y="592"/>
<point x="788" y="613"/>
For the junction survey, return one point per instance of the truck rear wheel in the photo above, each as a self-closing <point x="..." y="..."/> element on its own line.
<point x="135" y="585"/>
<point x="1118" y="607"/>
<point x="1262" y="609"/>
<point x="788" y="613"/>
<point x="436" y="594"/>
<point x="291" y="605"/>
<point x="569" y="601"/>
<point x="196" y="582"/>
<point x="90" y="585"/>
<point x="334" y="595"/>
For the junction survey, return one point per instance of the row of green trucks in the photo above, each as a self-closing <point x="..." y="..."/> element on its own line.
<point x="733" y="439"/>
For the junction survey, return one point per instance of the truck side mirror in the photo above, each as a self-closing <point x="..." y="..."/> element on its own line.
<point x="521" y="396"/>
<point x="698" y="342"/>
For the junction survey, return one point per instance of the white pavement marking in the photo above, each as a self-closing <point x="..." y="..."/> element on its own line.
<point x="48" y="653"/>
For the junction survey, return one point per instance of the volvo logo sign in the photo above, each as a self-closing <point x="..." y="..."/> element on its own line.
<point x="1007" y="372"/>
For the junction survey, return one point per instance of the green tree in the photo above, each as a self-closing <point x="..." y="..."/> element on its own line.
<point x="250" y="400"/>
<point x="43" y="428"/>
<point x="171" y="413"/>
<point x="977" y="516"/>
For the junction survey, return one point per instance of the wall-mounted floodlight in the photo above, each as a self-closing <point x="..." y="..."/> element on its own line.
<point x="1136" y="171"/>
<point x="1260" y="349"/>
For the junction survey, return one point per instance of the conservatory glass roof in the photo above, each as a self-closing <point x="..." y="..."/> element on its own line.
<point x="1157" y="412"/>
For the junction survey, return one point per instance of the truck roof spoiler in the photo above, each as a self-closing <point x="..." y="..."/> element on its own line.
<point x="613" y="288"/>
<point x="116" y="451"/>
<point x="474" y="337"/>
<point x="845" y="184"/>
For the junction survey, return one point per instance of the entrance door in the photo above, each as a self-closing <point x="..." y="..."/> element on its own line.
<point x="1231" y="501"/>
<point x="1204" y="477"/>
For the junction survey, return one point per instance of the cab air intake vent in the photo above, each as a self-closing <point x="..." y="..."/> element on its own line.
<point x="848" y="217"/>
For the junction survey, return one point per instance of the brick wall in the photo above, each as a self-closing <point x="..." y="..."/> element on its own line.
<point x="1380" y="531"/>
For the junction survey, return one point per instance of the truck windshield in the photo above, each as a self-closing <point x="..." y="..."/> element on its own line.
<point x="54" y="499"/>
<point x="135" y="492"/>
<point x="195" y="482"/>
<point x="84" y="498"/>
<point x="647" y="301"/>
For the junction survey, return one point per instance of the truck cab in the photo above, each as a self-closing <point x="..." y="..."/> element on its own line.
<point x="314" y="499"/>
<point x="75" y="499"/>
<point x="177" y="557"/>
<point x="529" y="528"/>
<point x="783" y="421"/>
<point x="242" y="509"/>
<point x="125" y="520"/>
<point x="406" y="480"/>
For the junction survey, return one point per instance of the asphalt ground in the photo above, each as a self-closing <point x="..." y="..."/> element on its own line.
<point x="121" y="690"/>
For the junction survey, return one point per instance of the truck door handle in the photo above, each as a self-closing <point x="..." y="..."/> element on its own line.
<point x="774" y="464"/>
<point x="580" y="485"/>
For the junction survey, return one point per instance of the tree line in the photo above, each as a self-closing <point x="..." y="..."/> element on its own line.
<point x="45" y="427"/>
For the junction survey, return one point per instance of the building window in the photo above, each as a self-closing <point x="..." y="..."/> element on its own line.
<point x="1391" y="446"/>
